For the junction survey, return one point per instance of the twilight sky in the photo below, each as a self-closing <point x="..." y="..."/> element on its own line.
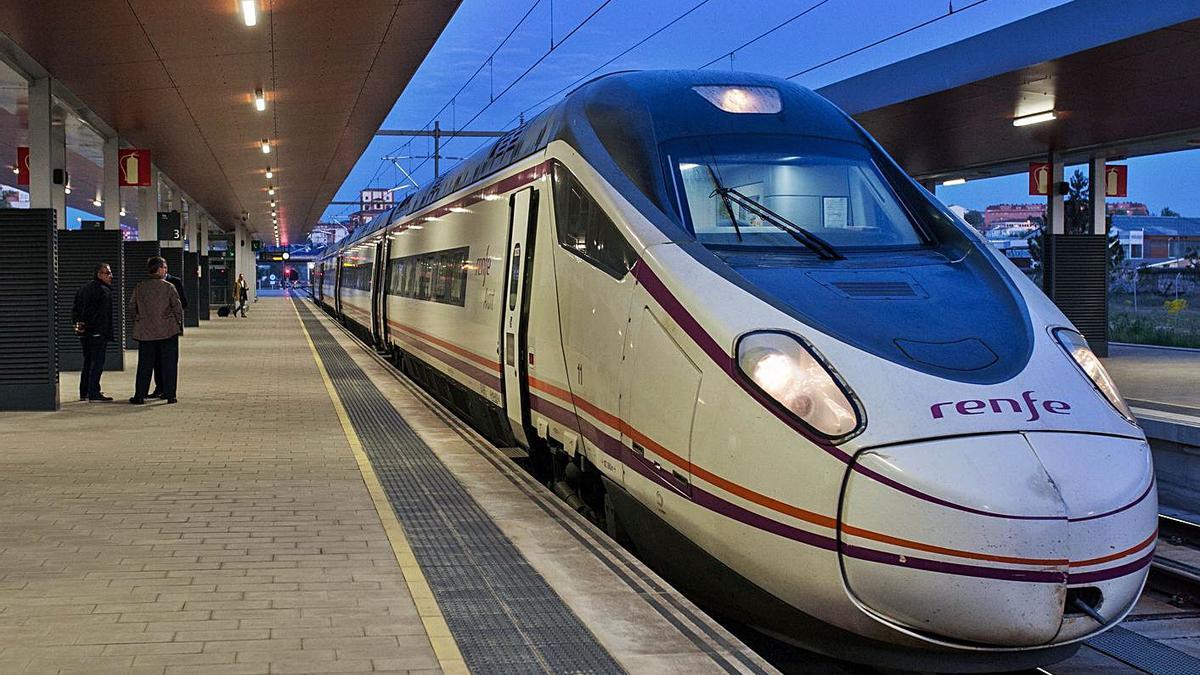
<point x="703" y="31"/>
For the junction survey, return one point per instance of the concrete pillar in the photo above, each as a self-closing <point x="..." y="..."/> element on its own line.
<point x="41" y="108"/>
<point x="111" y="192"/>
<point x="1055" y="220"/>
<point x="1096" y="181"/>
<point x="148" y="208"/>
<point x="58" y="161"/>
<point x="204" y="225"/>
<point x="241" y="248"/>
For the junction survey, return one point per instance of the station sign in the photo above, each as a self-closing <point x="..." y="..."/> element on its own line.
<point x="170" y="226"/>
<point x="22" y="165"/>
<point x="134" y="167"/>
<point x="1116" y="180"/>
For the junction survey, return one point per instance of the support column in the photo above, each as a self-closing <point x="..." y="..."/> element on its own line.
<point x="204" y="225"/>
<point x="111" y="192"/>
<point x="148" y="208"/>
<point x="58" y="162"/>
<point x="41" y="106"/>
<point x="1055" y="220"/>
<point x="241" y="248"/>
<point x="1096" y="180"/>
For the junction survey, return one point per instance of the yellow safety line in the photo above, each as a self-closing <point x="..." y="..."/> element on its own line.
<point x="444" y="647"/>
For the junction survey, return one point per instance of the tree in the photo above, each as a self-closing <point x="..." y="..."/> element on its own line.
<point x="1168" y="212"/>
<point x="1075" y="206"/>
<point x="974" y="218"/>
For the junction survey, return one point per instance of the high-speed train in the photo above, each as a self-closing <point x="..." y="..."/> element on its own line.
<point x="730" y="329"/>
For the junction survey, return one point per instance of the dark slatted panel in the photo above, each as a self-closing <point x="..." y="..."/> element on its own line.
<point x="28" y="349"/>
<point x="191" y="288"/>
<point x="1077" y="281"/>
<point x="203" y="301"/>
<point x="136" y="254"/>
<point x="78" y="253"/>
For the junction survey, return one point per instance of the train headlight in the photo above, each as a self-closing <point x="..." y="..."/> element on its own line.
<point x="1077" y="348"/>
<point x="794" y="376"/>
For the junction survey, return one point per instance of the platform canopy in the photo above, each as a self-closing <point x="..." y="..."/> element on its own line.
<point x="1122" y="78"/>
<point x="179" y="78"/>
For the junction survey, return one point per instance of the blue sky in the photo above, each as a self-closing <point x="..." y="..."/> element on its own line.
<point x="709" y="32"/>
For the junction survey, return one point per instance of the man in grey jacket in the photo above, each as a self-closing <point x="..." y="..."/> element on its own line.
<point x="157" y="323"/>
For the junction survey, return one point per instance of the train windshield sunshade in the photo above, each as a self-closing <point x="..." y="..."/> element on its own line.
<point x="734" y="99"/>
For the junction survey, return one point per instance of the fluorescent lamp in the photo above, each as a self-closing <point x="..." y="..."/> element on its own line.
<point x="250" y="12"/>
<point x="1034" y="119"/>
<point x="266" y="146"/>
<point x="955" y="181"/>
<point x="260" y="101"/>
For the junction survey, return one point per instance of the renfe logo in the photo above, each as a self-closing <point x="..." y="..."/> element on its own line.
<point x="1027" y="404"/>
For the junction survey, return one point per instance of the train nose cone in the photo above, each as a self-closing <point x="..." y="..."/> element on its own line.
<point x="962" y="539"/>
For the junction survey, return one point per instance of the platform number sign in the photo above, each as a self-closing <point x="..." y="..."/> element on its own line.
<point x="170" y="226"/>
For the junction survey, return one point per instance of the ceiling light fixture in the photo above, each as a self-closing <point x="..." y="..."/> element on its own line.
<point x="250" y="12"/>
<point x="16" y="171"/>
<point x="122" y="210"/>
<point x="97" y="202"/>
<point x="270" y="174"/>
<point x="67" y="189"/>
<point x="1034" y="119"/>
<point x="271" y="189"/>
<point x="266" y="146"/>
<point x="955" y="181"/>
<point x="260" y="101"/>
<point x="272" y="203"/>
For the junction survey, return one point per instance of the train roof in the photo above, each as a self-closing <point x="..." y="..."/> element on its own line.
<point x="618" y="121"/>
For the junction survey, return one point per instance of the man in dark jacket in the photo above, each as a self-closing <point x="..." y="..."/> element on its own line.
<point x="92" y="316"/>
<point x="158" y="366"/>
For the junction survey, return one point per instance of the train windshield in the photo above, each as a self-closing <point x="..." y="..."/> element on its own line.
<point x="788" y="193"/>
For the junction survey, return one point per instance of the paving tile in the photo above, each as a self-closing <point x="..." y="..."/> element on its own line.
<point x="205" y="524"/>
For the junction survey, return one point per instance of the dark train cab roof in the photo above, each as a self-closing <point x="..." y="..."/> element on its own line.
<point x="618" y="122"/>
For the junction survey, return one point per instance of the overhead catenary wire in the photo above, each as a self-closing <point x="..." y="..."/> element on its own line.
<point x="522" y="76"/>
<point x="762" y="35"/>
<point x="893" y="36"/>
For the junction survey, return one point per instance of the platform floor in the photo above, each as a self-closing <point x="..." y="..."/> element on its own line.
<point x="262" y="525"/>
<point x="1157" y="378"/>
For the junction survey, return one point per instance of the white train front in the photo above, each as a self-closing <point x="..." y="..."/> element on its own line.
<point x="731" y="330"/>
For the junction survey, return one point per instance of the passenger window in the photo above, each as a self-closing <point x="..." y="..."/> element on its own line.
<point x="514" y="277"/>
<point x="585" y="230"/>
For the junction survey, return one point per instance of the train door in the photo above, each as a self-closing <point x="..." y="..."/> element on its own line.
<point x="514" y="332"/>
<point x="379" y="294"/>
<point x="337" y="287"/>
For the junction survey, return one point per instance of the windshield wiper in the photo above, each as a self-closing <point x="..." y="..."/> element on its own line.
<point x="724" y="200"/>
<point x="822" y="248"/>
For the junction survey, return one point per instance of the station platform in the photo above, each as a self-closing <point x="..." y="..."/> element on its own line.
<point x="303" y="508"/>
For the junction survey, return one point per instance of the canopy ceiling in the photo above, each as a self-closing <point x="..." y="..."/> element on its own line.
<point x="1122" y="77"/>
<point x="178" y="78"/>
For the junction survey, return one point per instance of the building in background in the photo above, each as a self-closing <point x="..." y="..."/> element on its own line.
<point x="373" y="201"/>
<point x="1157" y="240"/>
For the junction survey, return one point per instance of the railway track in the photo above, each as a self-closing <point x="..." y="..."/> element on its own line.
<point x="1162" y="635"/>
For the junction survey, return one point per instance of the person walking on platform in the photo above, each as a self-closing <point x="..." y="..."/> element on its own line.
<point x="241" y="294"/>
<point x="158" y="365"/>
<point x="92" y="316"/>
<point x="157" y="323"/>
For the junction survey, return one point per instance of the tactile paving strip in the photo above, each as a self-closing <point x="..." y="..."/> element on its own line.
<point x="503" y="614"/>
<point x="1143" y="653"/>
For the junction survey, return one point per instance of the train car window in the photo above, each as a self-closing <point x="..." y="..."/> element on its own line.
<point x="440" y="276"/>
<point x="514" y="267"/>
<point x="585" y="230"/>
